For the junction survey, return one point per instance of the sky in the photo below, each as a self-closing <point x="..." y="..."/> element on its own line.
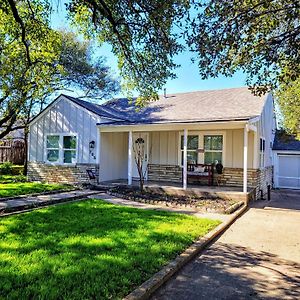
<point x="188" y="78"/>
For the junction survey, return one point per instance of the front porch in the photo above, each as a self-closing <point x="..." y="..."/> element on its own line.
<point x="172" y="188"/>
<point x="169" y="148"/>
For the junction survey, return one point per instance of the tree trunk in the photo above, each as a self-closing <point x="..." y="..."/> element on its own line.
<point x="26" y="151"/>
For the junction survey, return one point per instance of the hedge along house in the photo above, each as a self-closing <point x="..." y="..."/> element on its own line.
<point x="231" y="126"/>
<point x="64" y="140"/>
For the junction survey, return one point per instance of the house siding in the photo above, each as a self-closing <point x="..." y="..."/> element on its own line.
<point x="164" y="147"/>
<point x="64" y="117"/>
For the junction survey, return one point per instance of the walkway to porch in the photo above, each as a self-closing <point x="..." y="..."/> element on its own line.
<point x="224" y="192"/>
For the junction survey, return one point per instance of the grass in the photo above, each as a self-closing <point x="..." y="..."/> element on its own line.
<point x="89" y="249"/>
<point x="8" y="188"/>
<point x="12" y="178"/>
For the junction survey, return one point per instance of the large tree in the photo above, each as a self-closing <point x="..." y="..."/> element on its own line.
<point x="259" y="37"/>
<point x="56" y="60"/>
<point x="288" y="99"/>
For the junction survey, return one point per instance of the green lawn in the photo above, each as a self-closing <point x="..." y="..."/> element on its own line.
<point x="23" y="188"/>
<point x="89" y="249"/>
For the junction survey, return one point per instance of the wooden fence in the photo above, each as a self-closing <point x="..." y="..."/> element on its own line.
<point x="13" y="151"/>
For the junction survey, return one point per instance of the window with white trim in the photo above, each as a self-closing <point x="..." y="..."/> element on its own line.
<point x="262" y="146"/>
<point x="213" y="149"/>
<point x="61" y="148"/>
<point x="192" y="149"/>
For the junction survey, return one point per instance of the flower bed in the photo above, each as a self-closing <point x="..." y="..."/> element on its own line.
<point x="205" y="204"/>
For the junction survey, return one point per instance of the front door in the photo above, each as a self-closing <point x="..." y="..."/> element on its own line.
<point x="141" y="149"/>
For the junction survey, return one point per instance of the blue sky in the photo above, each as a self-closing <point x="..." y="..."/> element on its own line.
<point x="188" y="78"/>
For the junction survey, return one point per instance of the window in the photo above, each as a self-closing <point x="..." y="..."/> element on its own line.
<point x="69" y="149"/>
<point x="192" y="147"/>
<point x="213" y="148"/>
<point x="52" y="148"/>
<point x="262" y="146"/>
<point x="61" y="148"/>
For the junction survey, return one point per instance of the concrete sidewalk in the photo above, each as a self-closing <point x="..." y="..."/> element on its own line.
<point x="20" y="204"/>
<point x="258" y="257"/>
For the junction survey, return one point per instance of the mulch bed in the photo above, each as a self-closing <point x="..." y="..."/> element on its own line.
<point x="203" y="204"/>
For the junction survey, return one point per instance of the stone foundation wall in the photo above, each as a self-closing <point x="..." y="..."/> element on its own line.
<point x="171" y="173"/>
<point x="258" y="179"/>
<point x="60" y="174"/>
<point x="234" y="177"/>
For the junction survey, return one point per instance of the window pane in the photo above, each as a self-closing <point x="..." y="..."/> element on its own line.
<point x="69" y="156"/>
<point x="212" y="157"/>
<point x="213" y="142"/>
<point x="192" y="157"/>
<point x="192" y="142"/>
<point x="52" y="155"/>
<point x="69" y="142"/>
<point x="53" y="141"/>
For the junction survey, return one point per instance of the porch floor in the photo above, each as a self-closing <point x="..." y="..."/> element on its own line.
<point x="227" y="192"/>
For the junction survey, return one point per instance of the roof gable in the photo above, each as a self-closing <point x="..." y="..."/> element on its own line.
<point x="91" y="107"/>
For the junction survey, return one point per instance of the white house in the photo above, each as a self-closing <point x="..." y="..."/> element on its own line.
<point x="231" y="126"/>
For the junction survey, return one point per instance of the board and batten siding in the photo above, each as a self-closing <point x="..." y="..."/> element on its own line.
<point x="64" y="117"/>
<point x="164" y="147"/>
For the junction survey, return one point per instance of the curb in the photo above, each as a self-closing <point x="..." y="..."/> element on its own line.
<point x="146" y="289"/>
<point x="29" y="207"/>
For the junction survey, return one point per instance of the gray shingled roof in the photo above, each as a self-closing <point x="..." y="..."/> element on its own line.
<point x="201" y="106"/>
<point x="285" y="142"/>
<point x="96" y="108"/>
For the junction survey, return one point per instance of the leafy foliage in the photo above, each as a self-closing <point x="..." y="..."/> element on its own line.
<point x="58" y="60"/>
<point x="260" y="37"/>
<point x="288" y="99"/>
<point x="141" y="35"/>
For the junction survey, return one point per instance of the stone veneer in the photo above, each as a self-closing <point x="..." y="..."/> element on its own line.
<point x="59" y="173"/>
<point x="172" y="173"/>
<point x="257" y="178"/>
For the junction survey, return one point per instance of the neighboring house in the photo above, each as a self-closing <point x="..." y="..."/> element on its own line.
<point x="230" y="126"/>
<point x="286" y="150"/>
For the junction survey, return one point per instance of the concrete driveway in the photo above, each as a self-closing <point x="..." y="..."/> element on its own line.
<point x="258" y="257"/>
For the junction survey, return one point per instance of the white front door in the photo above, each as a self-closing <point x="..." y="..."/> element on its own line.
<point x="144" y="137"/>
<point x="288" y="171"/>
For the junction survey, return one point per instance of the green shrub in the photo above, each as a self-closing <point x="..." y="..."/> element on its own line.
<point x="8" y="168"/>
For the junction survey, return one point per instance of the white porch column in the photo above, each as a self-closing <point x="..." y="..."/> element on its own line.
<point x="245" y="175"/>
<point x="255" y="151"/>
<point x="129" y="158"/>
<point x="185" y="136"/>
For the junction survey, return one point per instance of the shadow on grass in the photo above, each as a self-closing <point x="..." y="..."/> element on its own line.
<point x="227" y="271"/>
<point x="89" y="249"/>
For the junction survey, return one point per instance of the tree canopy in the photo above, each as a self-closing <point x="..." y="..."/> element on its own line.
<point x="259" y="37"/>
<point x="288" y="99"/>
<point x="57" y="60"/>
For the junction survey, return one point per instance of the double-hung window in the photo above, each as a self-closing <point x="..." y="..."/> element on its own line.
<point x="61" y="148"/>
<point x="213" y="149"/>
<point x="192" y="149"/>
